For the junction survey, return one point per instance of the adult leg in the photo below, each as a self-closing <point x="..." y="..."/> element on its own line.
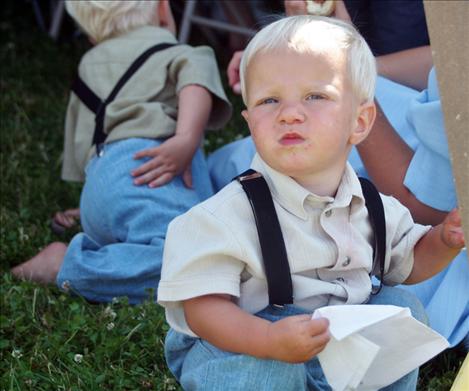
<point x="230" y="160"/>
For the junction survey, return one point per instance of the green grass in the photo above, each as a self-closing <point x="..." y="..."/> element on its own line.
<point x="48" y="340"/>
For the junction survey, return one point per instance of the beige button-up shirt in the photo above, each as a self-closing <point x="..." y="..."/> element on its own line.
<point x="147" y="104"/>
<point x="214" y="248"/>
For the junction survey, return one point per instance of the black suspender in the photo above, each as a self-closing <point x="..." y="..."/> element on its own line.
<point x="97" y="105"/>
<point x="374" y="204"/>
<point x="273" y="250"/>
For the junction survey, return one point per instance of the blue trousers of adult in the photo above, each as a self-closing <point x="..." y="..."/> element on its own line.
<point x="119" y="252"/>
<point x="199" y="365"/>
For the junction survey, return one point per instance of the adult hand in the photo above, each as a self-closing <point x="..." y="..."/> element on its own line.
<point x="233" y="72"/>
<point x="341" y="11"/>
<point x="295" y="7"/>
<point x="299" y="7"/>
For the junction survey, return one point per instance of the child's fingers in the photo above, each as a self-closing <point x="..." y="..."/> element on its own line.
<point x="454" y="217"/>
<point x="72" y="212"/>
<point x="318" y="326"/>
<point x="161" y="180"/>
<point x="151" y="152"/>
<point x="456" y="237"/>
<point x="187" y="177"/>
<point x="150" y="176"/>
<point x="61" y="219"/>
<point x="318" y="343"/>
<point x="152" y="164"/>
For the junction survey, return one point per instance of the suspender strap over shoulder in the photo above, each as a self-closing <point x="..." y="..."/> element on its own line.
<point x="375" y="207"/>
<point x="97" y="105"/>
<point x="273" y="250"/>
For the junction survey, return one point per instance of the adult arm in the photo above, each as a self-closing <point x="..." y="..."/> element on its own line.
<point x="408" y="67"/>
<point x="386" y="158"/>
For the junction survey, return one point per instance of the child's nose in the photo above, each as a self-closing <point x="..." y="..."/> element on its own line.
<point x="291" y="114"/>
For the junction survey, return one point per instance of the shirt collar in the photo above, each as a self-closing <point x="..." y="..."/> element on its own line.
<point x="150" y="33"/>
<point x="293" y="197"/>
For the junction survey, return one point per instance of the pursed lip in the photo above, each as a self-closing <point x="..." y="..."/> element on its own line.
<point x="291" y="138"/>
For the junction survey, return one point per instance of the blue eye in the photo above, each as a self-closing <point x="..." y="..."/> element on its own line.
<point x="315" y="97"/>
<point x="268" y="101"/>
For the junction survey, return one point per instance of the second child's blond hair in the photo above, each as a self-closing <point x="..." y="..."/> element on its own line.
<point x="308" y="33"/>
<point x="101" y="20"/>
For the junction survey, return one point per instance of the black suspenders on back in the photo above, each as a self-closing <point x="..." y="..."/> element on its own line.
<point x="273" y="250"/>
<point x="98" y="106"/>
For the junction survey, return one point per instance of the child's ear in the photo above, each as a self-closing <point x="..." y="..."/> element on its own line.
<point x="363" y="123"/>
<point x="245" y="115"/>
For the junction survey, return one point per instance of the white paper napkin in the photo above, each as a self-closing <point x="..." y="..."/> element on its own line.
<point x="372" y="346"/>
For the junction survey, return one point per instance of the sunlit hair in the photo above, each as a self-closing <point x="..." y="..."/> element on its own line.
<point x="313" y="34"/>
<point x="105" y="19"/>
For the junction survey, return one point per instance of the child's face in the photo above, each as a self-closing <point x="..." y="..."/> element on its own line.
<point x="302" y="112"/>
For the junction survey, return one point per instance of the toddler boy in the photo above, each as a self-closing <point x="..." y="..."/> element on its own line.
<point x="308" y="85"/>
<point x="153" y="100"/>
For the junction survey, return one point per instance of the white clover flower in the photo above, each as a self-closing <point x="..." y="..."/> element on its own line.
<point x="78" y="358"/>
<point x="110" y="325"/>
<point x="108" y="312"/>
<point x="115" y="300"/>
<point x="16" y="353"/>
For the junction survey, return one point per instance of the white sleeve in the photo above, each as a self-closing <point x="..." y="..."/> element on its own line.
<point x="201" y="256"/>
<point x="402" y="234"/>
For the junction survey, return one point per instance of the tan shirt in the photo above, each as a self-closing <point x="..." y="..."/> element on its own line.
<point x="147" y="104"/>
<point x="214" y="248"/>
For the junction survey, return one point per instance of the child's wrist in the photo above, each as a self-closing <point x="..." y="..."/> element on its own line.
<point x="267" y="348"/>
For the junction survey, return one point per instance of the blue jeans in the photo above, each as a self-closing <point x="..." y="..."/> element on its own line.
<point x="198" y="365"/>
<point x="119" y="252"/>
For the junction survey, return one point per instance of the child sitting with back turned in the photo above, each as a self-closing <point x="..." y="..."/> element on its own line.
<point x="308" y="85"/>
<point x="151" y="134"/>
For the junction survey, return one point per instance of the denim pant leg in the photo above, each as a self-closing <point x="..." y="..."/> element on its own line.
<point x="198" y="365"/>
<point x="402" y="298"/>
<point x="120" y="251"/>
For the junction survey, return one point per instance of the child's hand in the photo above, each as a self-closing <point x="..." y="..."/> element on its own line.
<point x="451" y="233"/>
<point x="171" y="158"/>
<point x="298" y="338"/>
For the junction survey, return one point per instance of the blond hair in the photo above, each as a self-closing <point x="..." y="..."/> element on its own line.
<point x="105" y="19"/>
<point x="308" y="33"/>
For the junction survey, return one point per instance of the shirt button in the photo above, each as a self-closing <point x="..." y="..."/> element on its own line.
<point x="346" y="262"/>
<point x="328" y="213"/>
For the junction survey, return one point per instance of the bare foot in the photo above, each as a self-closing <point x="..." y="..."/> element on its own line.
<point x="44" y="266"/>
